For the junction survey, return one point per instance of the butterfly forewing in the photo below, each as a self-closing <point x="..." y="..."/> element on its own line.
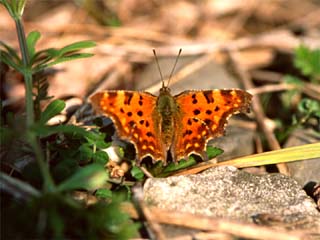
<point x="133" y="115"/>
<point x="204" y="116"/>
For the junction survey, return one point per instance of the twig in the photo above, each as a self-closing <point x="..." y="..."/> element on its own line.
<point x="310" y="89"/>
<point x="205" y="236"/>
<point x="146" y="213"/>
<point x="258" y="110"/>
<point x="146" y="172"/>
<point x="271" y="88"/>
<point x="205" y="223"/>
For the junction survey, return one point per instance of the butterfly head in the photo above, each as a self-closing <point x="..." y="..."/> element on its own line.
<point x="164" y="90"/>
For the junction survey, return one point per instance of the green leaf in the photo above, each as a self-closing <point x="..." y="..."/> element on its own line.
<point x="89" y="177"/>
<point x="49" y="57"/>
<point x="113" y="22"/>
<point x="76" y="46"/>
<point x="7" y="59"/>
<point x="53" y="109"/>
<point x="97" y="140"/>
<point x="100" y="157"/>
<point x="42" y="57"/>
<point x="85" y="153"/>
<point x="64" y="169"/>
<point x="13" y="53"/>
<point x="103" y="193"/>
<point x="180" y="165"/>
<point x="308" y="61"/>
<point x="308" y="106"/>
<point x="69" y="58"/>
<point x="50" y="52"/>
<point x="137" y="173"/>
<point x="293" y="80"/>
<point x="44" y="131"/>
<point x="287" y="96"/>
<point x="213" y="152"/>
<point x="32" y="39"/>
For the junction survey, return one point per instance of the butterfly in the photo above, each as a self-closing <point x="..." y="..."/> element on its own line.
<point x="180" y="125"/>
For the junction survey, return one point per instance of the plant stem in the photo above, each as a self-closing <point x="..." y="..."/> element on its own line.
<point x="27" y="72"/>
<point x="48" y="181"/>
<point x="31" y="137"/>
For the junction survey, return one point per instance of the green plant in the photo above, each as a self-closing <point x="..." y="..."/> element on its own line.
<point x="308" y="62"/>
<point x="303" y="109"/>
<point x="60" y="152"/>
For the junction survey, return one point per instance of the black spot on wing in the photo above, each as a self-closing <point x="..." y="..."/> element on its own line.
<point x="112" y="94"/>
<point x="132" y="123"/>
<point x="208" y="112"/>
<point x="226" y="93"/>
<point x="194" y="98"/>
<point x="127" y="98"/>
<point x="187" y="132"/>
<point x="208" y="121"/>
<point x="140" y="100"/>
<point x="196" y="112"/>
<point x="149" y="134"/>
<point x="208" y="96"/>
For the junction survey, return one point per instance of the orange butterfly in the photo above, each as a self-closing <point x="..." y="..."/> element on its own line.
<point x="181" y="124"/>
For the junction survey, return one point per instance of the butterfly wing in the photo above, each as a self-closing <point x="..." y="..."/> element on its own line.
<point x="204" y="116"/>
<point x="133" y="115"/>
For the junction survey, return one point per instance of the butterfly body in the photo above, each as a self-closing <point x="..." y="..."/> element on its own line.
<point x="181" y="124"/>
<point x="167" y="114"/>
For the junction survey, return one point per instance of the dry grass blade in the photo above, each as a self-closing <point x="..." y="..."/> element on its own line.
<point x="17" y="188"/>
<point x="299" y="153"/>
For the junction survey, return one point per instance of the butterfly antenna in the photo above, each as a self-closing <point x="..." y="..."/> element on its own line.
<point x="155" y="56"/>
<point x="174" y="66"/>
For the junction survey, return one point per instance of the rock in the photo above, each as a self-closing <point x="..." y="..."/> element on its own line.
<point x="237" y="142"/>
<point x="226" y="192"/>
<point x="308" y="171"/>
